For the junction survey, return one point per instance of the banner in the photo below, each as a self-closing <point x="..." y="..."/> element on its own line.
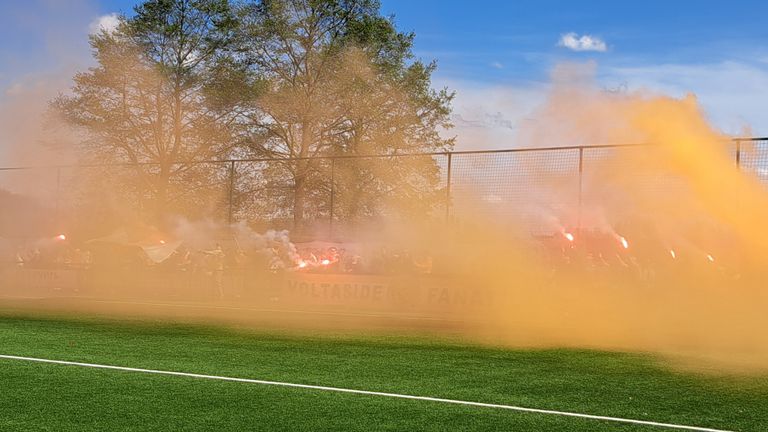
<point x="377" y="292"/>
<point x="46" y="280"/>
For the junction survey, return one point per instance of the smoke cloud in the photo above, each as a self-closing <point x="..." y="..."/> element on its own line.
<point x="53" y="46"/>
<point x="690" y="221"/>
<point x="692" y="290"/>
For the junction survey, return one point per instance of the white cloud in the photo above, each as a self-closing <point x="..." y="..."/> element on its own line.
<point x="584" y="42"/>
<point x="497" y="65"/>
<point x="107" y="22"/>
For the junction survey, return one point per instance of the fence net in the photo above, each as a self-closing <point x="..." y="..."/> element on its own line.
<point x="543" y="190"/>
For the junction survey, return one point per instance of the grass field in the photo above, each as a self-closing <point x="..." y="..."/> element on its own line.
<point x="68" y="398"/>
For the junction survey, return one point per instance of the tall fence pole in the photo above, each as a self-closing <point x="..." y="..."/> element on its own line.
<point x="738" y="153"/>
<point x="448" y="188"/>
<point x="231" y="191"/>
<point x="333" y="196"/>
<point x="58" y="196"/>
<point x="581" y="189"/>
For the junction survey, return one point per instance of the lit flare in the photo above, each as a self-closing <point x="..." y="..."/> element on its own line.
<point x="624" y="242"/>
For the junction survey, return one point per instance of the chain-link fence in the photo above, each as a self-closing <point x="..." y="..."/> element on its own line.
<point x="329" y="196"/>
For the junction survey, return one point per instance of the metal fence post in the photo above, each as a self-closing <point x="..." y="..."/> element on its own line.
<point x="333" y="196"/>
<point x="738" y="153"/>
<point x="58" y="196"/>
<point x="448" y="188"/>
<point x="231" y="190"/>
<point x="581" y="189"/>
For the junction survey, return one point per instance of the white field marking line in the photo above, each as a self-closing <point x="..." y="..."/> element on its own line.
<point x="365" y="392"/>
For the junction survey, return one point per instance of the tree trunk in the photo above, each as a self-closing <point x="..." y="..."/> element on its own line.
<point x="301" y="176"/>
<point x="161" y="197"/>
<point x="299" y="200"/>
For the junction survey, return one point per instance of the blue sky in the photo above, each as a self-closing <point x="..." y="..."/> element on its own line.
<point x="522" y="35"/>
<point x="497" y="54"/>
<point x="472" y="39"/>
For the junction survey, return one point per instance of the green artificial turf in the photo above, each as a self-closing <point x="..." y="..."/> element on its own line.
<point x="67" y="398"/>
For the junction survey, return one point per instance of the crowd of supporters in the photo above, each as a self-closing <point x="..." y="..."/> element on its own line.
<point x="595" y="252"/>
<point x="381" y="260"/>
<point x="182" y="258"/>
<point x="643" y="257"/>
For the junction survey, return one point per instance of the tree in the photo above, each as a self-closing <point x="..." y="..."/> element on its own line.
<point x="339" y="79"/>
<point x="153" y="100"/>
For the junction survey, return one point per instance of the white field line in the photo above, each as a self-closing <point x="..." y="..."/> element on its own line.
<point x="366" y="392"/>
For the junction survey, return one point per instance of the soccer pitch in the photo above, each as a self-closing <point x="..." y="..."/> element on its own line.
<point x="59" y="397"/>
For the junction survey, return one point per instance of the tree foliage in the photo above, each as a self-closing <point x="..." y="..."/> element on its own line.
<point x="187" y="81"/>
<point x="341" y="80"/>
<point x="148" y="102"/>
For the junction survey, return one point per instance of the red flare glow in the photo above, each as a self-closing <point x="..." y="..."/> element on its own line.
<point x="61" y="237"/>
<point x="568" y="236"/>
<point x="325" y="262"/>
